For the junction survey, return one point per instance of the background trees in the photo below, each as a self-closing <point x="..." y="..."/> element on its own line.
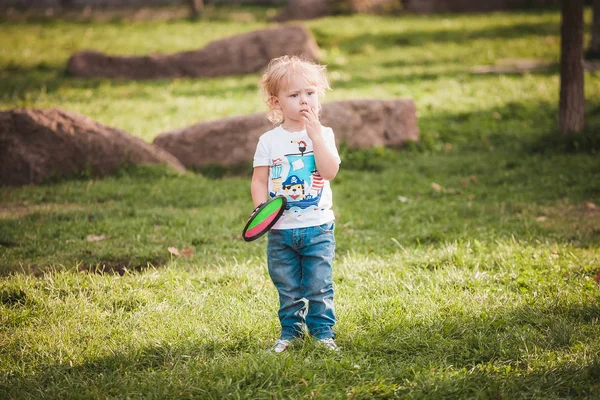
<point x="593" y="51"/>
<point x="572" y="101"/>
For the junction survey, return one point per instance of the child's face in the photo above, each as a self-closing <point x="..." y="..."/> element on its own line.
<point x="295" y="98"/>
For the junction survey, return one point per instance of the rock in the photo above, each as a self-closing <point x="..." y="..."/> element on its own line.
<point x="232" y="141"/>
<point x="368" y="123"/>
<point x="39" y="144"/>
<point x="241" y="54"/>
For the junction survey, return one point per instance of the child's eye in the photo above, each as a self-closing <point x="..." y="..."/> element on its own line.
<point x="294" y="95"/>
<point x="311" y="93"/>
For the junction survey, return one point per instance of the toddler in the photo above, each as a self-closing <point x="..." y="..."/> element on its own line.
<point x="297" y="159"/>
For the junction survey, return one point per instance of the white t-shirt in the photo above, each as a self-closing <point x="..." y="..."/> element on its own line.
<point x="293" y="173"/>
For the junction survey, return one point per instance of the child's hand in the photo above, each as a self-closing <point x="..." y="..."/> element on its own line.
<point x="312" y="123"/>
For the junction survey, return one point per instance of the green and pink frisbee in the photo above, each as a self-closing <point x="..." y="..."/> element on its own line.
<point x="263" y="218"/>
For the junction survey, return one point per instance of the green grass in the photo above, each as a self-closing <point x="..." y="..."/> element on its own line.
<point x="483" y="288"/>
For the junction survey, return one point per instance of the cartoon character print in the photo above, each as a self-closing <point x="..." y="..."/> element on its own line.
<point x="296" y="177"/>
<point x="301" y="146"/>
<point x="293" y="188"/>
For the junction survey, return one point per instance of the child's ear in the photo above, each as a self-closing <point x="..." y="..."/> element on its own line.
<point x="274" y="102"/>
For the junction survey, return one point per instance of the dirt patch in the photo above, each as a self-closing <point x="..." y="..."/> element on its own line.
<point x="591" y="65"/>
<point x="512" y="66"/>
<point x="584" y="218"/>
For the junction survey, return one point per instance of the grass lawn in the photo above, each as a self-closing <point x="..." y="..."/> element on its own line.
<point x="465" y="264"/>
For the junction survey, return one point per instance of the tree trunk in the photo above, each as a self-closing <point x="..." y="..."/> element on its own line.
<point x="572" y="101"/>
<point x="593" y="52"/>
<point x="196" y="8"/>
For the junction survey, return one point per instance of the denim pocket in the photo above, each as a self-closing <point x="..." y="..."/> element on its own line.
<point x="327" y="227"/>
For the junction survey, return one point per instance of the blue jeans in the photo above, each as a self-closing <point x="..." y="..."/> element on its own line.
<point x="300" y="263"/>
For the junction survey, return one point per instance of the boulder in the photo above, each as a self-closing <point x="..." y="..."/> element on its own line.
<point x="369" y="123"/>
<point x="232" y="141"/>
<point x="39" y="144"/>
<point x="241" y="54"/>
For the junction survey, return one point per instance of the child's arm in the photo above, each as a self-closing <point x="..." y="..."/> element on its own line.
<point x="260" y="185"/>
<point x="327" y="164"/>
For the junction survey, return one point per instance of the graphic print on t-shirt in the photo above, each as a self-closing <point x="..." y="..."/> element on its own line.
<point x="296" y="177"/>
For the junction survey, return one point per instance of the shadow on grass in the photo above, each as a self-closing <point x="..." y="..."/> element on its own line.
<point x="512" y="354"/>
<point x="23" y="83"/>
<point x="20" y="82"/>
<point x="526" y="128"/>
<point x="420" y="38"/>
<point x="587" y="141"/>
<point x="364" y="79"/>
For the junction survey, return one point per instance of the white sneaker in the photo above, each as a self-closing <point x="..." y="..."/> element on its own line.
<point x="329" y="344"/>
<point x="280" y="346"/>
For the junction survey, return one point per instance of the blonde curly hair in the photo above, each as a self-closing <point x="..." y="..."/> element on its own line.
<point x="278" y="73"/>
